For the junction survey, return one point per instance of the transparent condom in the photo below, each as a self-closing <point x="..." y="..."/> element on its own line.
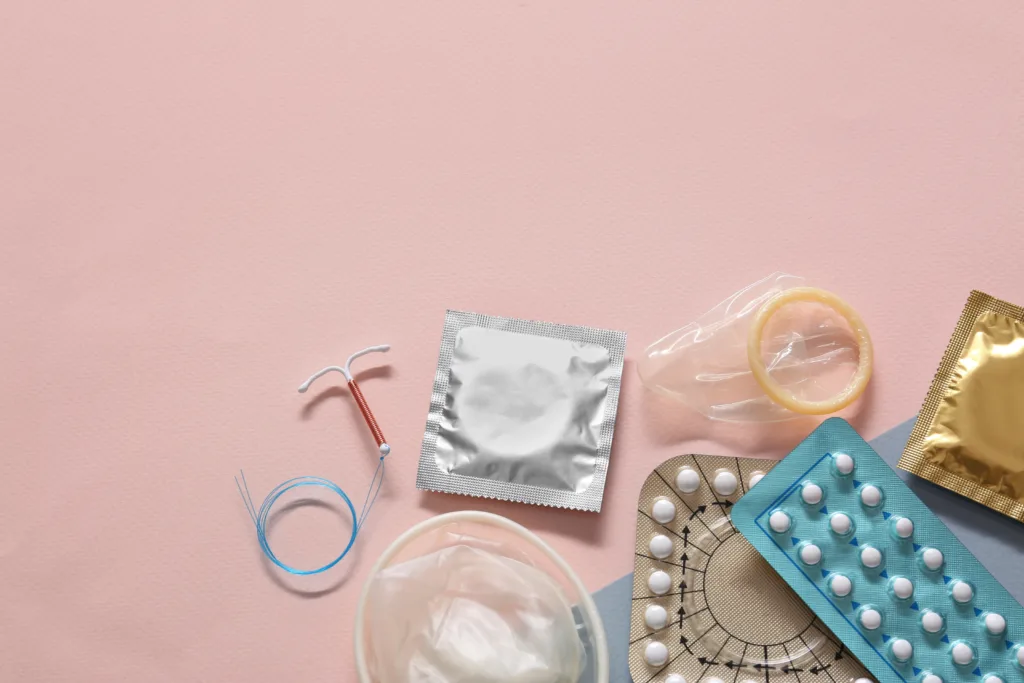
<point x="769" y="353"/>
<point x="471" y="597"/>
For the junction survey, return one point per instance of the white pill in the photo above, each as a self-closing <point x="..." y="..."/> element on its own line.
<point x="675" y="678"/>
<point x="663" y="511"/>
<point x="713" y="679"/>
<point x="995" y="623"/>
<point x="754" y="478"/>
<point x="931" y="622"/>
<point x="725" y="483"/>
<point x="656" y="653"/>
<point x="863" y="680"/>
<point x="870" y="557"/>
<point x="779" y="521"/>
<point x="902" y="650"/>
<point x="962" y="654"/>
<point x="905" y="529"/>
<point x="902" y="587"/>
<point x="687" y="480"/>
<point x="870" y="619"/>
<point x="870" y="495"/>
<point x="656" y="617"/>
<point x="844" y="463"/>
<point x="661" y="546"/>
<point x="841" y="585"/>
<point x="962" y="592"/>
<point x="810" y="554"/>
<point x="932" y="558"/>
<point x="992" y="678"/>
<point x="811" y="493"/>
<point x="840" y="523"/>
<point x="659" y="582"/>
<point x="931" y="678"/>
<point x="1020" y="656"/>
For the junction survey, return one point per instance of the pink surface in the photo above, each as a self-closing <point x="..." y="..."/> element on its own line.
<point x="204" y="202"/>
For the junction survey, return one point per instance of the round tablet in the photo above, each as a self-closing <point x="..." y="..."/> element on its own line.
<point x="992" y="678"/>
<point x="656" y="617"/>
<point x="932" y="558"/>
<point x="863" y="680"/>
<point x="663" y="511"/>
<point x="810" y="554"/>
<point x="870" y="495"/>
<point x="661" y="546"/>
<point x="962" y="653"/>
<point x="843" y="462"/>
<point x="656" y="654"/>
<point x="904" y="527"/>
<point x="780" y="522"/>
<point x="840" y="585"/>
<point x="870" y="619"/>
<point x="931" y="622"/>
<point x="659" y="582"/>
<point x="995" y="624"/>
<point x="902" y="587"/>
<point x="840" y="523"/>
<point x="687" y="480"/>
<point x="713" y="679"/>
<point x="725" y="483"/>
<point x="962" y="592"/>
<point x="931" y="678"/>
<point x="1020" y="656"/>
<point x="811" y="493"/>
<point x="754" y="478"/>
<point x="675" y="678"/>
<point x="870" y="556"/>
<point x="902" y="650"/>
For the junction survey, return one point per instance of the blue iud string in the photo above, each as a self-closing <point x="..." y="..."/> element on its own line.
<point x="260" y="517"/>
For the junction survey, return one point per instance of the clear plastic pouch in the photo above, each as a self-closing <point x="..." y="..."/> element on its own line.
<point x="460" y="608"/>
<point x="809" y="349"/>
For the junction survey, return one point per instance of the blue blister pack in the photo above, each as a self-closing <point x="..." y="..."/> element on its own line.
<point x="883" y="573"/>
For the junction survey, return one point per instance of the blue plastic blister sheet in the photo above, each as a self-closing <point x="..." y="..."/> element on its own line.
<point x="883" y="573"/>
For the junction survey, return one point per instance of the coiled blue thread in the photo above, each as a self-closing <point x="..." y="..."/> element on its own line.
<point x="261" y="517"/>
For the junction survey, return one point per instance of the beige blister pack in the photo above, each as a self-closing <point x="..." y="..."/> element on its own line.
<point x="707" y="608"/>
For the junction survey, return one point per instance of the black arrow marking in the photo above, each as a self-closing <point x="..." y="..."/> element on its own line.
<point x="700" y="509"/>
<point x="685" y="643"/>
<point x="786" y="668"/>
<point x="730" y="664"/>
<point x="686" y="536"/>
<point x="839" y="654"/>
<point x="819" y="669"/>
<point x="724" y="505"/>
<point x="708" y="662"/>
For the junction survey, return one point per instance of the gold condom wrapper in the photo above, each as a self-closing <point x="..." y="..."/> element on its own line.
<point x="969" y="436"/>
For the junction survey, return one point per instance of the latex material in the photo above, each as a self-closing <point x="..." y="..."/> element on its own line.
<point x="472" y="596"/>
<point x="786" y="398"/>
<point x="704" y="364"/>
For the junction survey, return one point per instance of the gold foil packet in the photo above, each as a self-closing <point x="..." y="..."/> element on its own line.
<point x="969" y="436"/>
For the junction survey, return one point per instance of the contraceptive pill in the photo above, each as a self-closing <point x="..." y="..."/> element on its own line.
<point x="663" y="511"/>
<point x="920" y="607"/>
<point x="843" y="463"/>
<point x="810" y="554"/>
<point x="755" y="477"/>
<point x="725" y="483"/>
<point x="811" y="493"/>
<point x="659" y="582"/>
<point x="687" y="480"/>
<point x="660" y="546"/>
<point x="656" y="617"/>
<point x="674" y="678"/>
<point x="995" y="624"/>
<point x="780" y="522"/>
<point x="656" y="653"/>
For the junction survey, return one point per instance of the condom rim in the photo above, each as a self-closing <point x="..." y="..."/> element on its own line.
<point x="586" y="602"/>
<point x="775" y="391"/>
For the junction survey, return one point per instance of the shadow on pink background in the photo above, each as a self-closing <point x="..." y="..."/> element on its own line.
<point x="204" y="202"/>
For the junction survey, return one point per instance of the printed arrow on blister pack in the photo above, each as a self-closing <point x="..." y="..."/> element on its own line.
<point x="817" y="669"/>
<point x="699" y="510"/>
<point x="886" y="515"/>
<point x="686" y="536"/>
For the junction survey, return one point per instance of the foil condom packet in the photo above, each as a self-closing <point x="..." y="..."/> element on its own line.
<point x="522" y="411"/>
<point x="969" y="436"/>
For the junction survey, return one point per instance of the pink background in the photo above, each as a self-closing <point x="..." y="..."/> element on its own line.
<point x="205" y="201"/>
